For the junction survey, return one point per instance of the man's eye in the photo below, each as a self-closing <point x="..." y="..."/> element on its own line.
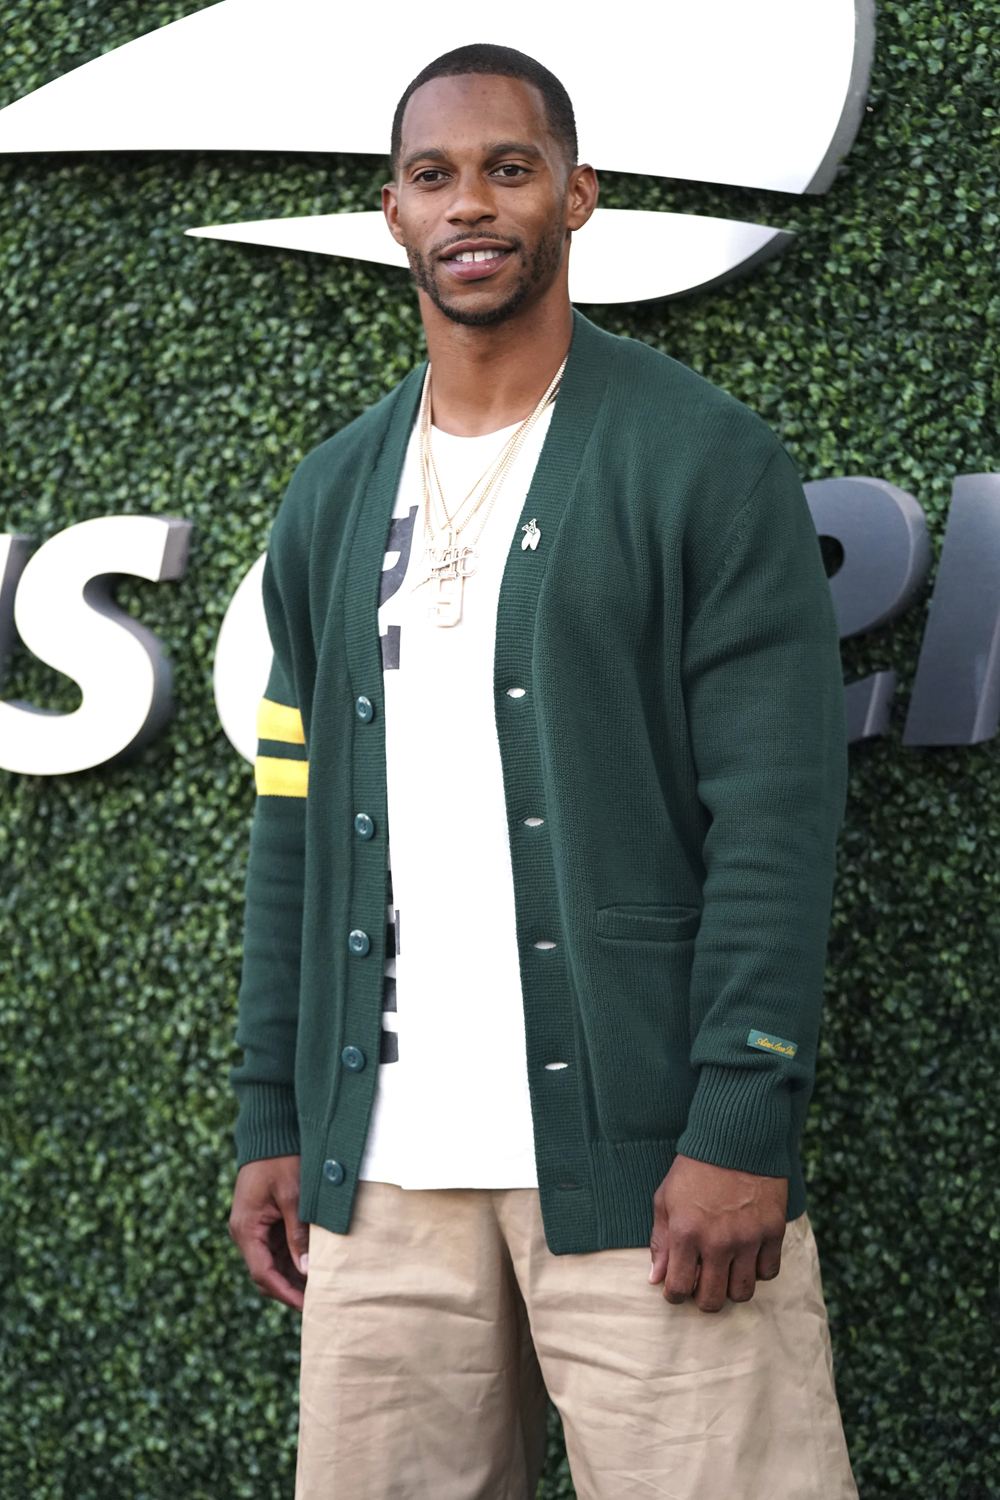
<point x="429" y="174"/>
<point x="510" y="169"/>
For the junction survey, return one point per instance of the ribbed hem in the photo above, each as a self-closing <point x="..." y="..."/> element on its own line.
<point x="268" y="1123"/>
<point x="626" y="1175"/>
<point x="740" y="1118"/>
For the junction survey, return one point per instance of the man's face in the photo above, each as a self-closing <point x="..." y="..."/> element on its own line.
<point x="480" y="200"/>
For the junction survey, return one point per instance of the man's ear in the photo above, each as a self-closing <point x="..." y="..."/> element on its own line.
<point x="390" y="207"/>
<point x="581" y="195"/>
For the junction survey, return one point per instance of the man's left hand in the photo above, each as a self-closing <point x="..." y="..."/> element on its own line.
<point x="716" y="1232"/>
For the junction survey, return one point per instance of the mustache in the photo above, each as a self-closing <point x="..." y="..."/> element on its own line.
<point x="457" y="239"/>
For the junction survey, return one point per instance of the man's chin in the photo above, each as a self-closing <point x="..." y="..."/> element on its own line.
<point x="490" y="316"/>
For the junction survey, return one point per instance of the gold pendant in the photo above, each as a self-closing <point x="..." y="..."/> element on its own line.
<point x="449" y="566"/>
<point x="445" y="608"/>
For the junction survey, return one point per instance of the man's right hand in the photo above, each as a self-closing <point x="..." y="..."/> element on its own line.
<point x="265" y="1225"/>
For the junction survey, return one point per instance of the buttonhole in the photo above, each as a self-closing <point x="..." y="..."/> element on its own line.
<point x="555" y="1067"/>
<point x="568" y="1187"/>
<point x="516" y="692"/>
<point x="545" y="943"/>
<point x="533" y="822"/>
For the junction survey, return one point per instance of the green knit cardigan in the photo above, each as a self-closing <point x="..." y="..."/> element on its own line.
<point x="681" y="733"/>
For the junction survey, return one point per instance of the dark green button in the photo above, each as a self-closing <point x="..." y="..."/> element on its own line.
<point x="333" y="1172"/>
<point x="363" y="709"/>
<point x="353" y="1059"/>
<point x="359" y="942"/>
<point x="363" y="826"/>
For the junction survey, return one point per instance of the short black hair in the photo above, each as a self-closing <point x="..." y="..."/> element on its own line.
<point x="499" y="62"/>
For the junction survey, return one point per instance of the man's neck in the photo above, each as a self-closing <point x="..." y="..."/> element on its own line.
<point x="488" y="378"/>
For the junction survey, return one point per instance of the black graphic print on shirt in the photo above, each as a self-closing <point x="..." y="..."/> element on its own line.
<point x="390" y="649"/>
<point x="400" y="540"/>
<point x="390" y="1039"/>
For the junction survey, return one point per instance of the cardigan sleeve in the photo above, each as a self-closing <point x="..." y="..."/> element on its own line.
<point x="272" y="950"/>
<point x="764" y="696"/>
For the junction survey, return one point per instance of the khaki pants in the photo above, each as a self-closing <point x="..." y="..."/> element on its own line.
<point x="433" y="1329"/>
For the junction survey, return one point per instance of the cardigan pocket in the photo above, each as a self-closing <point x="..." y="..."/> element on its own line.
<point x="648" y="924"/>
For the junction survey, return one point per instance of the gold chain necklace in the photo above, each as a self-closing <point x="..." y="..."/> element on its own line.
<point x="450" y="561"/>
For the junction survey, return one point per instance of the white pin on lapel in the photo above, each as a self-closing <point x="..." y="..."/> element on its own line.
<point x="532" y="535"/>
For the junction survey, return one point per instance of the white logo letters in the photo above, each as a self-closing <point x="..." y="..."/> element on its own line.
<point x="66" y="615"/>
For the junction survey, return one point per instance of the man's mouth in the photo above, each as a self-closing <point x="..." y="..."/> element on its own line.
<point x="472" y="262"/>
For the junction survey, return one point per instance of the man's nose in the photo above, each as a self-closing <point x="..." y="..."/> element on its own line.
<point x="473" y="201"/>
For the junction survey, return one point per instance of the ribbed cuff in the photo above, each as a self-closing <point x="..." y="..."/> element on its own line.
<point x="740" y="1118"/>
<point x="268" y="1123"/>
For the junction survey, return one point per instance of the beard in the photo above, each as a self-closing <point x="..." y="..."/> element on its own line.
<point x="537" y="270"/>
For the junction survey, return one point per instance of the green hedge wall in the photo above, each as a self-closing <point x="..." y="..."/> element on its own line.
<point x="142" y="371"/>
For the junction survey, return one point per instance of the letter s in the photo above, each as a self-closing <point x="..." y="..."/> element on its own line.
<point x="66" y="615"/>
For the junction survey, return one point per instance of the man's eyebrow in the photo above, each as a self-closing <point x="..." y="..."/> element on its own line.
<point x="492" y="148"/>
<point x="513" y="148"/>
<point x="427" y="153"/>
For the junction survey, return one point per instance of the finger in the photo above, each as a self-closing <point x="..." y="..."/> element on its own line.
<point x="713" y="1281"/>
<point x="277" y="1287"/>
<point x="742" y="1276"/>
<point x="659" y="1247"/>
<point x="248" y="1228"/>
<point x="681" y="1271"/>
<point x="281" y="1257"/>
<point x="267" y="1275"/>
<point x="769" y="1258"/>
<point x="261" y="1241"/>
<point x="297" y="1235"/>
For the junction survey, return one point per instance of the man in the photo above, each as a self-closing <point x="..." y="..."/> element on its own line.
<point x="551" y="626"/>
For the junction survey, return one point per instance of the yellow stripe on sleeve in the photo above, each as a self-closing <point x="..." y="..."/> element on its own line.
<point x="281" y="778"/>
<point x="276" y="721"/>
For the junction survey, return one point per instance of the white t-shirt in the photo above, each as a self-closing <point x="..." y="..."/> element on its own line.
<point x="452" y="1107"/>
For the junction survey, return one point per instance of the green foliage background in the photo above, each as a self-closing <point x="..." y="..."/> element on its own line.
<point x="142" y="371"/>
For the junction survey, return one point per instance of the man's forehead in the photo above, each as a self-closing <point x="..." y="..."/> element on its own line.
<point x="480" y="108"/>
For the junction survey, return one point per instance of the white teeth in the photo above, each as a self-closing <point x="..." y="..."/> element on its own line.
<point x="468" y="255"/>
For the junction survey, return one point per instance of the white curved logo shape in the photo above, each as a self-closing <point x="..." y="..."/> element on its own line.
<point x="623" y="255"/>
<point x="755" y="93"/>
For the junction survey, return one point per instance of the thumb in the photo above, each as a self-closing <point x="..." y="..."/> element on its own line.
<point x="659" y="1250"/>
<point x="297" y="1235"/>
